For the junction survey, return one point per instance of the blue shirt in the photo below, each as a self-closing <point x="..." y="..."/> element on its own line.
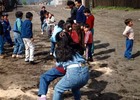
<point x="56" y="30"/>
<point x="26" y="30"/>
<point x="17" y="25"/>
<point x="6" y="26"/>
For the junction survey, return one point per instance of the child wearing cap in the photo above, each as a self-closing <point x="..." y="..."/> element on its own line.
<point x="7" y="29"/>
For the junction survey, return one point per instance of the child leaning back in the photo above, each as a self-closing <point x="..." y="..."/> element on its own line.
<point x="129" y="34"/>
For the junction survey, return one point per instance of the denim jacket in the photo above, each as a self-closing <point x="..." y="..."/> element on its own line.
<point x="77" y="59"/>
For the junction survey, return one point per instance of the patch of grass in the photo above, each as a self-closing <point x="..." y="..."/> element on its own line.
<point x="24" y="2"/>
<point x="115" y="8"/>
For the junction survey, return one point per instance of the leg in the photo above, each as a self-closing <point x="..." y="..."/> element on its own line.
<point x="52" y="47"/>
<point x="21" y="46"/>
<point x="89" y="51"/>
<point x="27" y="53"/>
<point x="76" y="93"/>
<point x="8" y="38"/>
<point x="46" y="78"/>
<point x="129" y="45"/>
<point x="16" y="46"/>
<point x="32" y="48"/>
<point x="1" y="45"/>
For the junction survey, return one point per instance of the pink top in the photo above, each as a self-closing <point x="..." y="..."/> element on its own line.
<point x="88" y="37"/>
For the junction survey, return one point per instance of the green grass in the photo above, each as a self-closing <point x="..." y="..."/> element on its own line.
<point x="115" y="8"/>
<point x="24" y="2"/>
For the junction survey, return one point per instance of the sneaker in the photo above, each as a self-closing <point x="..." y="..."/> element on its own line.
<point x="13" y="56"/>
<point x="51" y="54"/>
<point x="26" y="60"/>
<point x="19" y="56"/>
<point x="32" y="62"/>
<point x="42" y="98"/>
<point x="42" y="33"/>
<point x="2" y="56"/>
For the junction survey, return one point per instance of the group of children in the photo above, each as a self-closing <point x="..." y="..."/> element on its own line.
<point x="23" y="36"/>
<point x="47" y="21"/>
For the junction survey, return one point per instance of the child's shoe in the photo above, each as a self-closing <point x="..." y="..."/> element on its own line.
<point x="42" y="33"/>
<point x="19" y="56"/>
<point x="51" y="54"/>
<point x="13" y="56"/>
<point x="42" y="98"/>
<point x="2" y="56"/>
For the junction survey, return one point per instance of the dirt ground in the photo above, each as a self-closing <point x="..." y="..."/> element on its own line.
<point x="112" y="77"/>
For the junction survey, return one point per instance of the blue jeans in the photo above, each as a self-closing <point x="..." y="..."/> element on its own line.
<point x="52" y="47"/>
<point x="129" y="46"/>
<point x="19" y="45"/>
<point x="44" y="27"/>
<point x="7" y="38"/>
<point x="74" y="79"/>
<point x="46" y="78"/>
<point x="1" y="44"/>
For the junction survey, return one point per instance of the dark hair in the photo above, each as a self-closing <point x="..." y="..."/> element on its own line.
<point x="19" y="14"/>
<point x="86" y="10"/>
<point x="70" y="3"/>
<point x="61" y="23"/>
<point x="64" y="50"/>
<point x="70" y="20"/>
<point x="67" y="27"/>
<point x="43" y="7"/>
<point x="79" y="1"/>
<point x="127" y="21"/>
<point x="29" y="15"/>
<point x="86" y="26"/>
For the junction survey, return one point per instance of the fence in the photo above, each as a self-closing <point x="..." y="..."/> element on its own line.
<point x="122" y="3"/>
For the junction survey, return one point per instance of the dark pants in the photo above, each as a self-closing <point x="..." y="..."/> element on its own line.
<point x="42" y="20"/>
<point x="129" y="46"/>
<point x="88" y="50"/>
<point x="7" y="38"/>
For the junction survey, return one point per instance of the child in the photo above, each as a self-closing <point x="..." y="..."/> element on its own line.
<point x="71" y="5"/>
<point x="1" y="40"/>
<point x="76" y="75"/>
<point x="57" y="29"/>
<point x="90" y="21"/>
<point x="7" y="29"/>
<point x="42" y="15"/>
<point x="48" y="23"/>
<point x="19" y="45"/>
<point x="129" y="34"/>
<point x="88" y="42"/>
<point x="27" y="35"/>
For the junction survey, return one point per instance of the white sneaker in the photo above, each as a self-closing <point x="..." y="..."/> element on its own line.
<point x="51" y="54"/>
<point x="42" y="33"/>
<point x="19" y="56"/>
<point x="13" y="56"/>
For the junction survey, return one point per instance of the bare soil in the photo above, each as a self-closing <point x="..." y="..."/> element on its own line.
<point x="112" y="77"/>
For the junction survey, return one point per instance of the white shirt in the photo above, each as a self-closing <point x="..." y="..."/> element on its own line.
<point x="128" y="32"/>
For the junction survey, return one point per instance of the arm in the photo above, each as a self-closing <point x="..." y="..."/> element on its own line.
<point x="126" y="32"/>
<point x="19" y="25"/>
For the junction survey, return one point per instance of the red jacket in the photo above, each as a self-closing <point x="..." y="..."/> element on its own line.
<point x="90" y="21"/>
<point x="74" y="36"/>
